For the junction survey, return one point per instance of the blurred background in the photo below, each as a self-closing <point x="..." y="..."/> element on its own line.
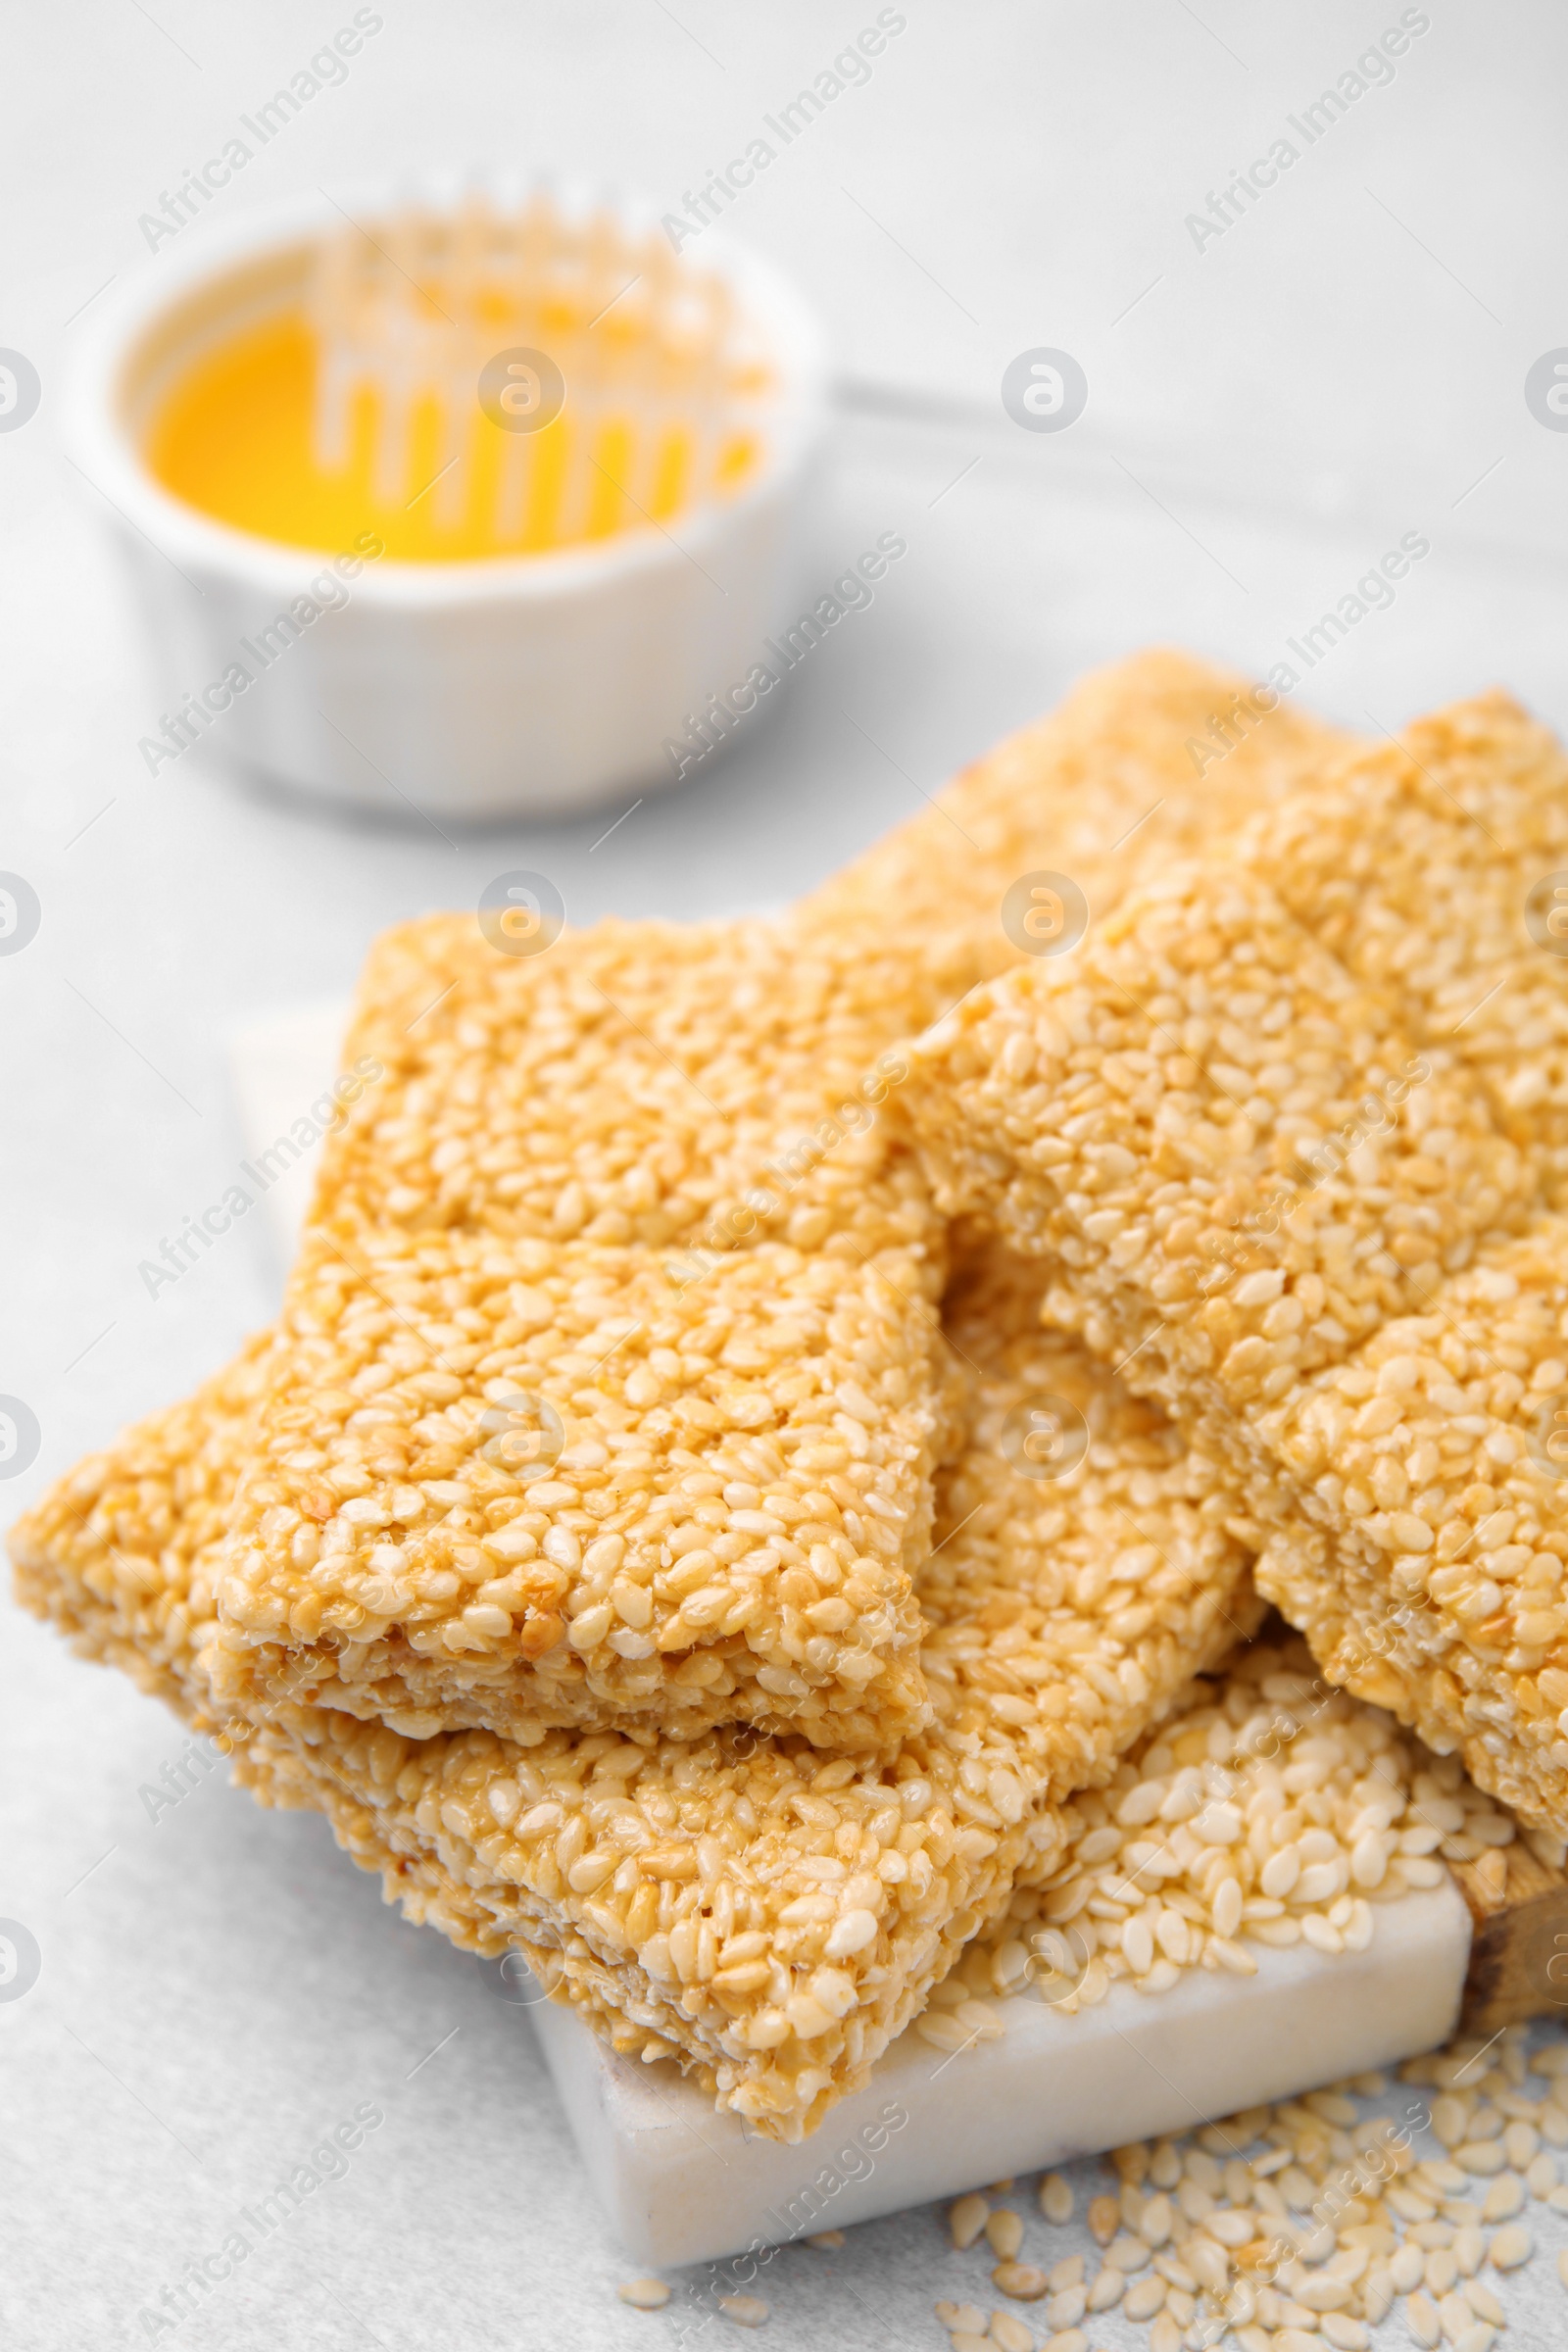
<point x="1279" y="390"/>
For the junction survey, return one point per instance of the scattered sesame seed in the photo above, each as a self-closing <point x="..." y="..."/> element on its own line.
<point x="1108" y="2287"/>
<point x="966" y="2219"/>
<point x="1105" y="2220"/>
<point x="1510" y="2247"/>
<point x="1056" y="2198"/>
<point x="644" y="2294"/>
<point x="1421" y="2318"/>
<point x="1005" y="2230"/>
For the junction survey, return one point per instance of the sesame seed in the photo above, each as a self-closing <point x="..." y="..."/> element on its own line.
<point x="1005" y="2230"/>
<point x="1056" y="2198"/>
<point x="1441" y="2269"/>
<point x="644" y="2295"/>
<point x="966" y="2319"/>
<point x="1107" y="2287"/>
<point x="1421" y="2318"/>
<point x="1105" y="2220"/>
<point x="1505" y="2196"/>
<point x="966" y="2219"/>
<point x="1406" y="2267"/>
<point x="1022" y="2281"/>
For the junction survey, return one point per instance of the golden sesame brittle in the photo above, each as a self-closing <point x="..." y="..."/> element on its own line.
<point x="769" y="1917"/>
<point x="609" y="1389"/>
<point x="660" y="1085"/>
<point x="1426" y="1564"/>
<point x="1072" y="1596"/>
<point x="120" y="1554"/>
<point x="733" y="1478"/>
<point x="1295" y="1190"/>
<point x="1231" y="1149"/>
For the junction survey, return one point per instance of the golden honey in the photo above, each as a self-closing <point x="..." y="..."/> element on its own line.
<point x="234" y="438"/>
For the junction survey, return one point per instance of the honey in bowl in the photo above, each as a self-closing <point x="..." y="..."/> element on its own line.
<point x="471" y="386"/>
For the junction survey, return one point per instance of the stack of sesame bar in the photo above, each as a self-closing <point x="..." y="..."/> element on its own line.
<point x="623" y="1535"/>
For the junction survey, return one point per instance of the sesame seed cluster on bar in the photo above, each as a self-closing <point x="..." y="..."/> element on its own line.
<point x="1268" y="1808"/>
<point x="1294" y="2225"/>
<point x="120" y="1554"/>
<point x="670" y="1118"/>
<point x="1287" y="1203"/>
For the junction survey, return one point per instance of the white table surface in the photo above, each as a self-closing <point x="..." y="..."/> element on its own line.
<point x="1342" y="367"/>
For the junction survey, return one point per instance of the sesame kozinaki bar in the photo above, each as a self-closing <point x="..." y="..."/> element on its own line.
<point x="536" y="1453"/>
<point x="768" y="1915"/>
<point x="1278" y="1214"/>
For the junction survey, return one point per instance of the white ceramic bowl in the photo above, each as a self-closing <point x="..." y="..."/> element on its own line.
<point x="514" y="685"/>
